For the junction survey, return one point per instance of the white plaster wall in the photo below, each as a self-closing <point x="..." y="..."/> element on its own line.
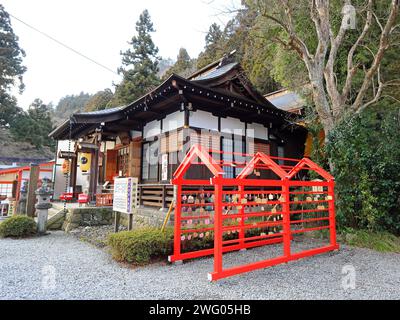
<point x="232" y="125"/>
<point x="203" y="119"/>
<point x="173" y="121"/>
<point x="256" y="130"/>
<point x="152" y="129"/>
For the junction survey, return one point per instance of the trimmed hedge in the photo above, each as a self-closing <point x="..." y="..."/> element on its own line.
<point x="18" y="227"/>
<point x="139" y="246"/>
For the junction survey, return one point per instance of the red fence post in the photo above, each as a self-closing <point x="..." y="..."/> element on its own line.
<point x="177" y="221"/>
<point x="241" y="211"/>
<point x="331" y="206"/>
<point x="218" y="234"/>
<point x="286" y="217"/>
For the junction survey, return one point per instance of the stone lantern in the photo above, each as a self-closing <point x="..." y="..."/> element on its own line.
<point x="43" y="205"/>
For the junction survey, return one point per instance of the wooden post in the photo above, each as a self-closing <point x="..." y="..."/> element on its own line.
<point x="14" y="191"/>
<point x="164" y="196"/>
<point x="130" y="222"/>
<point x="116" y="221"/>
<point x="94" y="168"/>
<point x="140" y="195"/>
<point x="31" y="197"/>
<point x="73" y="172"/>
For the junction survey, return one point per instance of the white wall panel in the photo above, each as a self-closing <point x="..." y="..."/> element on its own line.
<point x="173" y="121"/>
<point x="152" y="129"/>
<point x="256" y="130"/>
<point x="233" y="126"/>
<point x="203" y="119"/>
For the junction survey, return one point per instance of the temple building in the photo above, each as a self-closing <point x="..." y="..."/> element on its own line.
<point x="216" y="107"/>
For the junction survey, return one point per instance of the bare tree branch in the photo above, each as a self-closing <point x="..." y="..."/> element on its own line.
<point x="377" y="94"/>
<point x="351" y="69"/>
<point x="383" y="46"/>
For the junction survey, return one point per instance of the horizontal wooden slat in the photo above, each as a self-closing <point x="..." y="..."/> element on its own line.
<point x="152" y="204"/>
<point x="151" y="198"/>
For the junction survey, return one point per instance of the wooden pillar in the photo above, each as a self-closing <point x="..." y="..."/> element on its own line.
<point x="14" y="189"/>
<point x="94" y="172"/>
<point x="117" y="219"/>
<point x="130" y="222"/>
<point x="164" y="195"/>
<point x="73" y="172"/>
<point x="31" y="197"/>
<point x="140" y="195"/>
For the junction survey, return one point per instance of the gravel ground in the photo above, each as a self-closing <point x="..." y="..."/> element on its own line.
<point x="95" y="235"/>
<point x="59" y="266"/>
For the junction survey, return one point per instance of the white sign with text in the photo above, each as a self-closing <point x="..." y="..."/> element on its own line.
<point x="125" y="195"/>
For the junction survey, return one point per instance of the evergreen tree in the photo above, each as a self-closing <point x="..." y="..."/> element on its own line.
<point x="11" y="68"/>
<point x="184" y="65"/>
<point x="71" y="104"/>
<point x="214" y="48"/>
<point x="34" y="125"/>
<point x="100" y="101"/>
<point x="139" y="64"/>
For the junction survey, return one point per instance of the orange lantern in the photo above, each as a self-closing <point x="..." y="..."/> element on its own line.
<point x="65" y="166"/>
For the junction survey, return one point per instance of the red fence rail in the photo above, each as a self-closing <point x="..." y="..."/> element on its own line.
<point x="240" y="213"/>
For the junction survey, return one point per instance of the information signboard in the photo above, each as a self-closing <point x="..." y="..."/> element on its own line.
<point x="125" y="195"/>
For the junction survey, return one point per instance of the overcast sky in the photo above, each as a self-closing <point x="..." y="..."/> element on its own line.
<point x="99" y="29"/>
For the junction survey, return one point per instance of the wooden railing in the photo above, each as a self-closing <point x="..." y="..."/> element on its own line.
<point x="149" y="195"/>
<point x="155" y="195"/>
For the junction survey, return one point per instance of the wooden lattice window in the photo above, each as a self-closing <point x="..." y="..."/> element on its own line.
<point x="253" y="147"/>
<point x="171" y="142"/>
<point x="208" y="140"/>
<point x="123" y="161"/>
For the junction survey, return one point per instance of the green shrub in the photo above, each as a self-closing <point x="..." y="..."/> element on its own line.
<point x="18" y="227"/>
<point x="379" y="241"/>
<point x="140" y="245"/>
<point x="365" y="153"/>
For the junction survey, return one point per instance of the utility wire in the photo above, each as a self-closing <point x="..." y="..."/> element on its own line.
<point x="64" y="45"/>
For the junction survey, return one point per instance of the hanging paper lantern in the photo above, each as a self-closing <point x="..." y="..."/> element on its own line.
<point x="183" y="238"/>
<point x="271" y="196"/>
<point x="201" y="235"/>
<point x="65" y="166"/>
<point x="85" y="161"/>
<point x="189" y="237"/>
